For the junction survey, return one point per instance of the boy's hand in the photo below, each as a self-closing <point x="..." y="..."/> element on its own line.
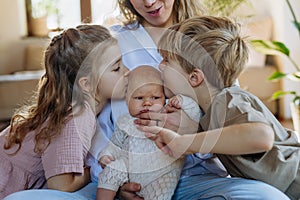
<point x="128" y="191"/>
<point x="168" y="141"/>
<point x="105" y="160"/>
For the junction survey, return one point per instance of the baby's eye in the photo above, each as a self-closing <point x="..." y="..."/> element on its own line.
<point x="138" y="98"/>
<point x="155" y="98"/>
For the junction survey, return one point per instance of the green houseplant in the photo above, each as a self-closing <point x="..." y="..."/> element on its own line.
<point x="223" y="7"/>
<point x="279" y="48"/>
<point x="37" y="14"/>
<point x="40" y="8"/>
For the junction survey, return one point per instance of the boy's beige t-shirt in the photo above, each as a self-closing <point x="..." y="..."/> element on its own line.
<point x="279" y="166"/>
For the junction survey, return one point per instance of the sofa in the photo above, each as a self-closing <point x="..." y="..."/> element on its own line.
<point x="17" y="84"/>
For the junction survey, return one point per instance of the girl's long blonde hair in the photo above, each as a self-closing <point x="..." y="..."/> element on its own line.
<point x="54" y="101"/>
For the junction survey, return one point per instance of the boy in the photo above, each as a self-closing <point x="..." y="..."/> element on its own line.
<point x="209" y="54"/>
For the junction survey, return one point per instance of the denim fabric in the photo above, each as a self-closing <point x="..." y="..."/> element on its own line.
<point x="205" y="186"/>
<point x="86" y="193"/>
<point x="210" y="186"/>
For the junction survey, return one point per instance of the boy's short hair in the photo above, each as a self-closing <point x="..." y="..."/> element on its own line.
<point x="212" y="44"/>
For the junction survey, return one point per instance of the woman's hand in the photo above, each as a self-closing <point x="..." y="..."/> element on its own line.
<point x="128" y="191"/>
<point x="170" y="118"/>
<point x="168" y="141"/>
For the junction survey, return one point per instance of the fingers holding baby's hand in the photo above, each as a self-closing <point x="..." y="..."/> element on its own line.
<point x="105" y="160"/>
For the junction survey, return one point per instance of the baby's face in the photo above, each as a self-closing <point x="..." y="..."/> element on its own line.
<point x="147" y="98"/>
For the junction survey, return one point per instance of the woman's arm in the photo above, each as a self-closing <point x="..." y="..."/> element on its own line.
<point x="69" y="182"/>
<point x="246" y="138"/>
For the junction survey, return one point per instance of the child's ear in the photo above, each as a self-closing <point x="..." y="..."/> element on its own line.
<point x="196" y="77"/>
<point x="84" y="84"/>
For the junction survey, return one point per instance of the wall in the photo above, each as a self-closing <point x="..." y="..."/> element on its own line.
<point x="285" y="32"/>
<point x="12" y="40"/>
<point x="10" y="34"/>
<point x="13" y="28"/>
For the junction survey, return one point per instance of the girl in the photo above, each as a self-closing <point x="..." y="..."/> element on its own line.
<point x="47" y="143"/>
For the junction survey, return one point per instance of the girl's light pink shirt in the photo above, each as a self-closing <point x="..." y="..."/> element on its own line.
<point x="65" y="154"/>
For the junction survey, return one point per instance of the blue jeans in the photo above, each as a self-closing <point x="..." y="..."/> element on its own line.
<point x="205" y="186"/>
<point x="210" y="186"/>
<point x="86" y="193"/>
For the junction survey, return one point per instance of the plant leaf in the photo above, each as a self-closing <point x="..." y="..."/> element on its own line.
<point x="270" y="47"/>
<point x="276" y="76"/>
<point x="297" y="25"/>
<point x="279" y="94"/>
<point x="296" y="100"/>
<point x="294" y="76"/>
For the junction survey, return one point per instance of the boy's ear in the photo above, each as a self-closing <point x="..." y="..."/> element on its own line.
<point x="196" y="77"/>
<point x="84" y="84"/>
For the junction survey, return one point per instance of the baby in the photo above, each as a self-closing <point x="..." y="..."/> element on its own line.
<point x="131" y="157"/>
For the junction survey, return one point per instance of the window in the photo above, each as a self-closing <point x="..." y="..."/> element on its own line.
<point x="103" y="10"/>
<point x="55" y="15"/>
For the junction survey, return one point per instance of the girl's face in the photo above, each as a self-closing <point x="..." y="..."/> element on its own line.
<point x="157" y="13"/>
<point x="147" y="98"/>
<point x="175" y="78"/>
<point x="113" y="81"/>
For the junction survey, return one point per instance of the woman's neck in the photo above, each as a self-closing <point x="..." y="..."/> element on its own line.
<point x="156" y="32"/>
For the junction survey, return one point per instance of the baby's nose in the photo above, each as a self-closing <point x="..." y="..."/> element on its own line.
<point x="147" y="102"/>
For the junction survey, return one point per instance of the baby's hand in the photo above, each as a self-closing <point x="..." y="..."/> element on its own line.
<point x="175" y="101"/>
<point x="105" y="160"/>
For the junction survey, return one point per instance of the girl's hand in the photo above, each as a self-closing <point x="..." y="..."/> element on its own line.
<point x="105" y="160"/>
<point x="170" y="142"/>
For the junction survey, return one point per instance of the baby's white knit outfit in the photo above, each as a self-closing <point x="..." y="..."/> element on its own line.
<point x="137" y="159"/>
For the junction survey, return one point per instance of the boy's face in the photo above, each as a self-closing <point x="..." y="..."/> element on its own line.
<point x="147" y="98"/>
<point x="174" y="77"/>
